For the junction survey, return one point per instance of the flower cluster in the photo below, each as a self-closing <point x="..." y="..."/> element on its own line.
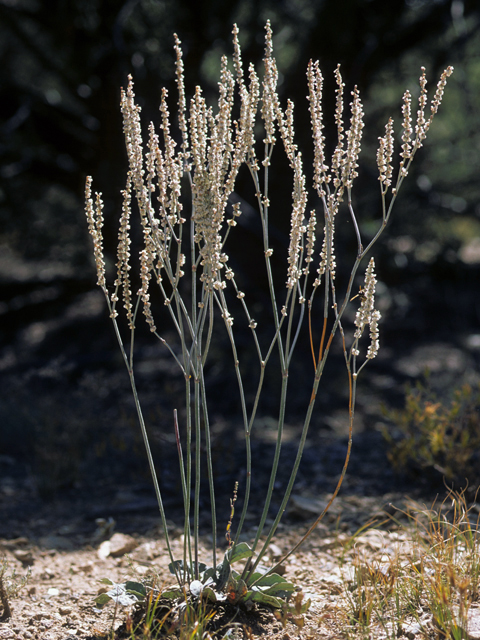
<point x="123" y="254"/>
<point x="385" y="155"/>
<point x="95" y="224"/>
<point x="409" y="144"/>
<point x="214" y="145"/>
<point x="367" y="314"/>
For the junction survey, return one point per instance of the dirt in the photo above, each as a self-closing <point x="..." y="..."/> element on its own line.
<point x="66" y="565"/>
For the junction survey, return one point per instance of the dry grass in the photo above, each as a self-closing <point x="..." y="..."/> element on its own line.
<point x="422" y="587"/>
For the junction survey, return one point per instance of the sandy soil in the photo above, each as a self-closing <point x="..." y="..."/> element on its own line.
<point x="66" y="567"/>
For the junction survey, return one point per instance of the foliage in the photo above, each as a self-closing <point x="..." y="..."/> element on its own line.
<point x="221" y="584"/>
<point x="435" y="436"/>
<point x="190" y="609"/>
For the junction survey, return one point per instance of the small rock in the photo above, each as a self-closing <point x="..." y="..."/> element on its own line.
<point x="65" y="610"/>
<point x="410" y="629"/>
<point x="141" y="570"/>
<point x="39" y="616"/>
<point x="47" y="574"/>
<point x="24" y="555"/>
<point x="120" y="544"/>
<point x="275" y="550"/>
<point x="304" y="507"/>
<point x="104" y="550"/>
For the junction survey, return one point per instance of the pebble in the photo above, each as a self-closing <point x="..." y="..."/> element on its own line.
<point x="275" y="550"/>
<point x="24" y="555"/>
<point x="65" y="610"/>
<point x="118" y="545"/>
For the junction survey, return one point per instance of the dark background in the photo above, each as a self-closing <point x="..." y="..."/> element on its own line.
<point x="67" y="421"/>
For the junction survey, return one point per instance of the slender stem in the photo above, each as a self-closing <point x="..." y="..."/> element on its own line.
<point x="196" y="499"/>
<point x="187" y="540"/>
<point x="248" y="429"/>
<point x="352" y="391"/>
<point x="355" y="224"/>
<point x="263" y="206"/>
<point x="185" y="489"/>
<point x="310" y="332"/>
<point x="143" y="429"/>
<point x="208" y="447"/>
<point x="248" y="570"/>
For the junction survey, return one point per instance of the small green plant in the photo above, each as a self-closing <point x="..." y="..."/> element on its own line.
<point x="10" y="585"/>
<point x="445" y="578"/>
<point x="428" y="588"/>
<point x="184" y="184"/>
<point x="437" y="437"/>
<point x="150" y="617"/>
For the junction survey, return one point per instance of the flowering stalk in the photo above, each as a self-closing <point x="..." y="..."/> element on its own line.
<point x="214" y="146"/>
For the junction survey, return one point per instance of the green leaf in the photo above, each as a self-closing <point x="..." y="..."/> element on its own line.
<point x="274" y="585"/>
<point x="106" y="581"/>
<point x="136" y="588"/>
<point x="209" y="594"/>
<point x="265" y="599"/>
<point x="172" y="593"/>
<point x="239" y="552"/>
<point x="279" y="592"/>
<point x="258" y="575"/>
<point x="102" y="599"/>
<point x="175" y="567"/>
<point x="223" y="573"/>
<point x="270" y="580"/>
<point x="210" y="574"/>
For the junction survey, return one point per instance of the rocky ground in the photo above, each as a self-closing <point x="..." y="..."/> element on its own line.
<point x="66" y="561"/>
<point x="69" y="544"/>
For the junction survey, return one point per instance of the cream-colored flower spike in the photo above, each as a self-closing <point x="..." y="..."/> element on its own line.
<point x="354" y="138"/>
<point x="384" y="157"/>
<point x="367" y="314"/>
<point x="298" y="229"/>
<point x="95" y="224"/>
<point x="269" y="96"/>
<point x="315" y="96"/>
<point x="123" y="254"/>
<point x="214" y="146"/>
